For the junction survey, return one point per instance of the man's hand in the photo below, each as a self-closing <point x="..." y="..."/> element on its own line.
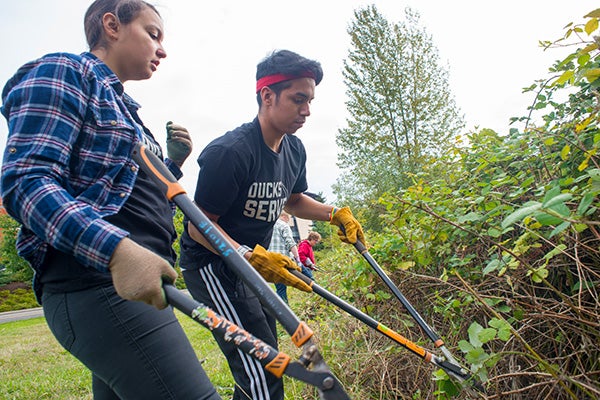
<point x="179" y="143"/>
<point x="274" y="267"/>
<point x="350" y="229"/>
<point x="138" y="273"/>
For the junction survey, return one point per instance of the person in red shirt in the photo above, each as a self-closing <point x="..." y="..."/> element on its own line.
<point x="307" y="256"/>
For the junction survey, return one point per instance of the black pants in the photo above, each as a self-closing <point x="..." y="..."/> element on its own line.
<point x="217" y="287"/>
<point x="133" y="350"/>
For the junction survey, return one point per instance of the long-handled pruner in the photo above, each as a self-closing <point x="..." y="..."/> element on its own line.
<point x="276" y="362"/>
<point x="319" y="374"/>
<point x="452" y="369"/>
<point x="435" y="338"/>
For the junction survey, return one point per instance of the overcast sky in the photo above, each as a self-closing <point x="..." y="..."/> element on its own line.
<point x="206" y="83"/>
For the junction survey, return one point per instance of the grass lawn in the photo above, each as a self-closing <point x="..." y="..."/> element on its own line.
<point x="34" y="366"/>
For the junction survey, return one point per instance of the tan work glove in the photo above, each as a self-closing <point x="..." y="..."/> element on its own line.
<point x="350" y="229"/>
<point x="179" y="143"/>
<point x="274" y="268"/>
<point x="138" y="273"/>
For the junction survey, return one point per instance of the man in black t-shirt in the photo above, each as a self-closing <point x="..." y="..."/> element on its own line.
<point x="247" y="177"/>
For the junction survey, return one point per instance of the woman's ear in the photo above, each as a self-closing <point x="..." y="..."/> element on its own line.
<point x="111" y="25"/>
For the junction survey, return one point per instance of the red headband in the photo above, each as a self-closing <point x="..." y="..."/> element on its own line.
<point x="276" y="78"/>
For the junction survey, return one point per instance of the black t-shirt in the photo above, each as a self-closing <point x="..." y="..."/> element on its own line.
<point x="247" y="184"/>
<point x="147" y="216"/>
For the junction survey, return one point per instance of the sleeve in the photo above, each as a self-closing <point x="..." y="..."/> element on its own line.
<point x="222" y="173"/>
<point x="174" y="168"/>
<point x="45" y="113"/>
<point x="288" y="237"/>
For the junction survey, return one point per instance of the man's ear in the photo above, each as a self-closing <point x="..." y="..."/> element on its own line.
<point x="111" y="25"/>
<point x="268" y="96"/>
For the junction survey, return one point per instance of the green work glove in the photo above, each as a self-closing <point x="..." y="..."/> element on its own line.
<point x="350" y="229"/>
<point x="274" y="268"/>
<point x="138" y="273"/>
<point x="179" y="143"/>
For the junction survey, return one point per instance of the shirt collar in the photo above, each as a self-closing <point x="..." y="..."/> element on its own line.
<point x="111" y="79"/>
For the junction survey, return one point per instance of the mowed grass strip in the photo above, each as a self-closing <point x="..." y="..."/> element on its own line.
<point x="34" y="366"/>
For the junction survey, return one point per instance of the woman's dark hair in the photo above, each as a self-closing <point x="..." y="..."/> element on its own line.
<point x="287" y="62"/>
<point x="125" y="11"/>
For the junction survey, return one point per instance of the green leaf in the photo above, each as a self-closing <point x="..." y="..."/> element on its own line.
<point x="565" y="77"/>
<point x="476" y="356"/>
<point x="593" y="14"/>
<point x="503" y="328"/>
<point x="521" y="213"/>
<point x="553" y="192"/>
<point x="539" y="274"/>
<point x="547" y="219"/>
<point x="561" y="198"/>
<point x="491" y="266"/>
<point x="591" y="26"/>
<point x="583" y="59"/>
<point x="585" y="284"/>
<point x="560" y="228"/>
<point x="406" y="265"/>
<point x="447" y="387"/>
<point x="470" y="217"/>
<point x="487" y="335"/>
<point x="555" y="251"/>
<point x="504" y="334"/>
<point x="473" y="331"/>
<point x="493" y="232"/>
<point x="585" y="202"/>
<point x="503" y="308"/>
<point x="594" y="174"/>
<point x="465" y="346"/>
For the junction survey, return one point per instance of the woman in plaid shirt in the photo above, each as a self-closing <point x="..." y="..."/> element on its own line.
<point x="96" y="231"/>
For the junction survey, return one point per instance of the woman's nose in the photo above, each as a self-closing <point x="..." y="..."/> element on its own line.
<point x="161" y="52"/>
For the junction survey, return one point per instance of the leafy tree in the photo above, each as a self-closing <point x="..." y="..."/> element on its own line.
<point x="517" y="230"/>
<point x="16" y="269"/>
<point x="402" y="112"/>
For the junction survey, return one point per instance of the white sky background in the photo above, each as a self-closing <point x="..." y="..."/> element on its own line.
<point x="207" y="81"/>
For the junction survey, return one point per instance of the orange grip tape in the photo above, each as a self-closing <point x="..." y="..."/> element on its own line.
<point x="278" y="365"/>
<point x="173" y="188"/>
<point x="403" y="341"/>
<point x="302" y="334"/>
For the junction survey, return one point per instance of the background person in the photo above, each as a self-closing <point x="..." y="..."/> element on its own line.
<point x="306" y="253"/>
<point x="247" y="176"/>
<point x="95" y="229"/>
<point x="282" y="242"/>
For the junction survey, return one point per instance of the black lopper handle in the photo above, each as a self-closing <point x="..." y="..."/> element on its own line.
<point x="155" y="168"/>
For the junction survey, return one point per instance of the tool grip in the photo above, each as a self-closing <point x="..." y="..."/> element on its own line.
<point x="273" y="360"/>
<point x="157" y="169"/>
<point x="435" y="338"/>
<point x="360" y="247"/>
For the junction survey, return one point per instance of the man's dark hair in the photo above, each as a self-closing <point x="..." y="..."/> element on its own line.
<point x="287" y="62"/>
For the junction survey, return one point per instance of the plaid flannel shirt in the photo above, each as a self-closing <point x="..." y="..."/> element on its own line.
<point x="282" y="239"/>
<point x="67" y="162"/>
